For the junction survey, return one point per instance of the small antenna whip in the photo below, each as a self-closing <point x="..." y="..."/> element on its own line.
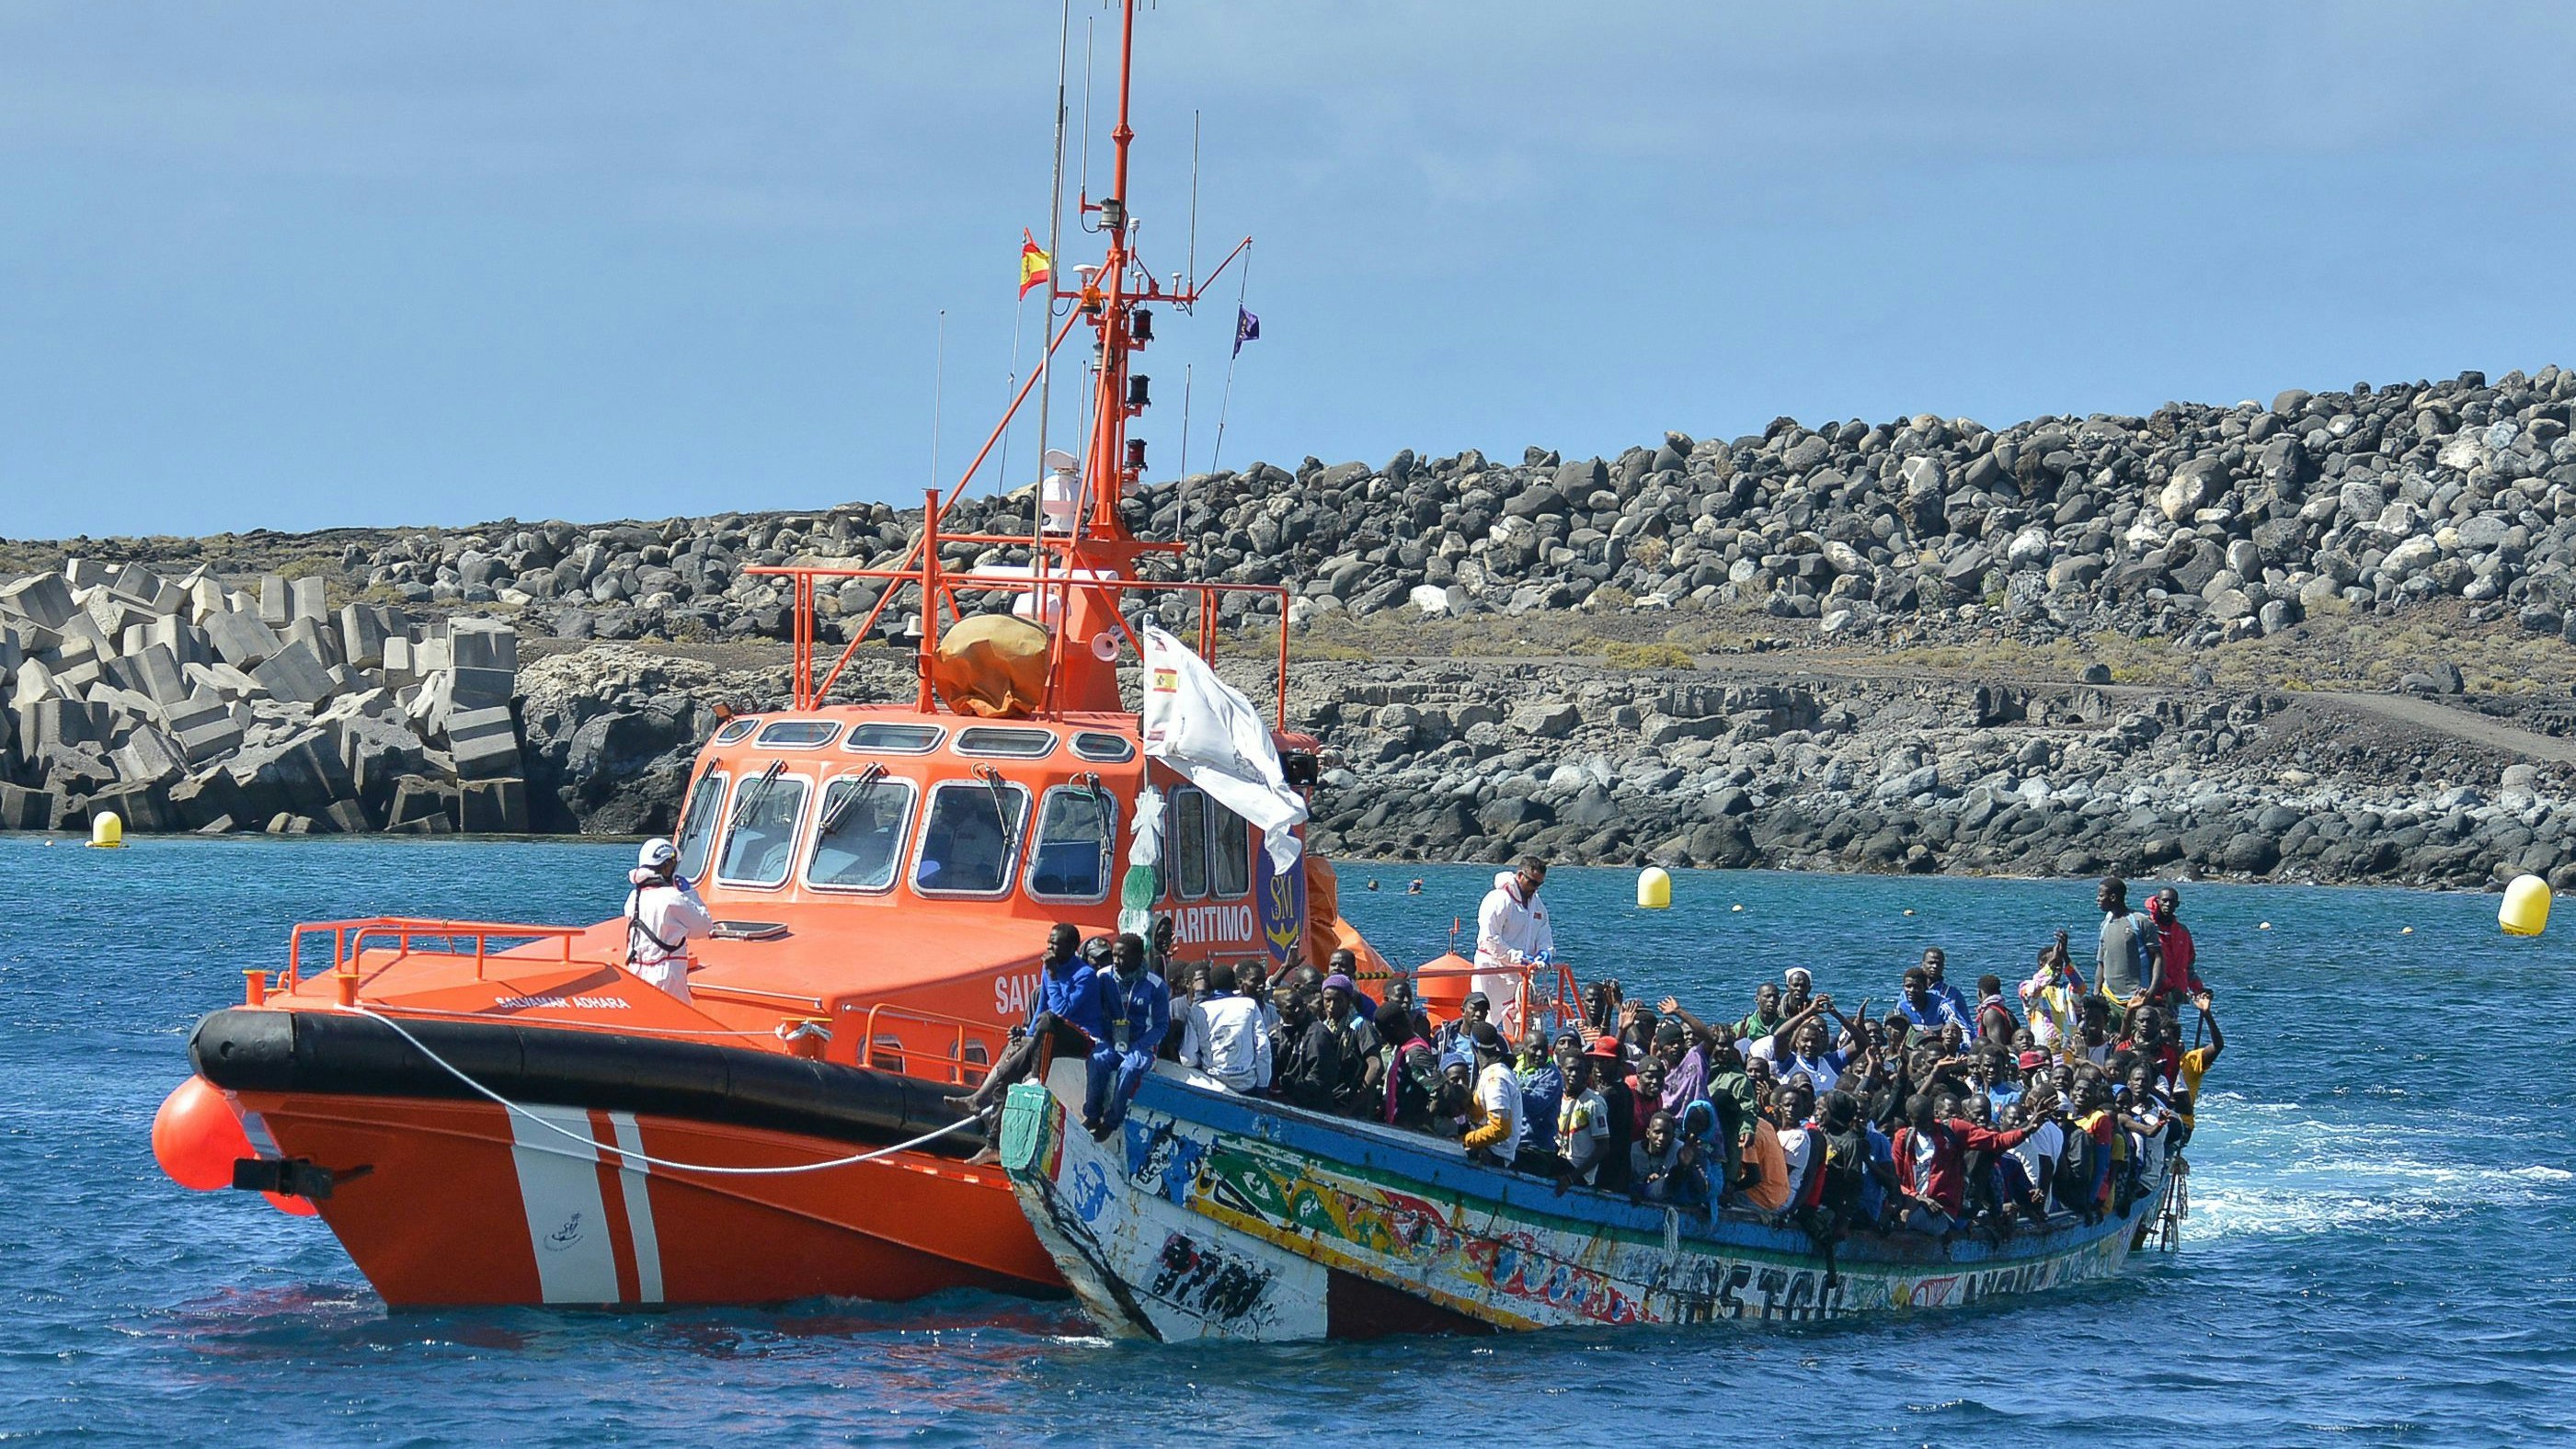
<point x="938" y="386"/>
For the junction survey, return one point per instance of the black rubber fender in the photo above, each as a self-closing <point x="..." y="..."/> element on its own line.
<point x="343" y="1054"/>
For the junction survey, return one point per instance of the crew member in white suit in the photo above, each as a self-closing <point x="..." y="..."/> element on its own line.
<point x="663" y="915"/>
<point x="1511" y="931"/>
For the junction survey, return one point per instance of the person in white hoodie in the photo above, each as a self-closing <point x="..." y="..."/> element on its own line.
<point x="1511" y="931"/>
<point x="663" y="915"/>
<point x="1223" y="1035"/>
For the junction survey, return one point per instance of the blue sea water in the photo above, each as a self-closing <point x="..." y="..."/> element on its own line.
<point x="2384" y="1202"/>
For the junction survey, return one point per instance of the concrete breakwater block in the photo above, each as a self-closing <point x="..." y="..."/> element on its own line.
<point x="197" y="707"/>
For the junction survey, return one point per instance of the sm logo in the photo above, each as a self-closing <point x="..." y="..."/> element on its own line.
<point x="1281" y="902"/>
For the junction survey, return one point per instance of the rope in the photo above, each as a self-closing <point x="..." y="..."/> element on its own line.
<point x="666" y="1165"/>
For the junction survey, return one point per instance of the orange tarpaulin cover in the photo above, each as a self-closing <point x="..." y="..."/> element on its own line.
<point x="993" y="666"/>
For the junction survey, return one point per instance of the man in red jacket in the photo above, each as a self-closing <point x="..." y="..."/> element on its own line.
<point x="1931" y="1155"/>
<point x="2175" y="981"/>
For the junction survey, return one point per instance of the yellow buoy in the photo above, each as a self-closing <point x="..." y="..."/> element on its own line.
<point x="1735" y="908"/>
<point x="106" y="832"/>
<point x="2526" y="906"/>
<point x="1654" y="888"/>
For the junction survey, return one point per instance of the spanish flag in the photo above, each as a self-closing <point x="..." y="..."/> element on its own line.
<point x="1034" y="261"/>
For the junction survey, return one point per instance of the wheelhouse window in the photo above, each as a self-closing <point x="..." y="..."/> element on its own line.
<point x="859" y="834"/>
<point x="894" y="739"/>
<point x="1229" y="853"/>
<point x="798" y="734"/>
<point x="1077" y="832"/>
<point x="1093" y="745"/>
<point x="698" y="823"/>
<point x="1005" y="743"/>
<point x="736" y="729"/>
<point x="760" y="845"/>
<point x="970" y="838"/>
<point x="1185" y="844"/>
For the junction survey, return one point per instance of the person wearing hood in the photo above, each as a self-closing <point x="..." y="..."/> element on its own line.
<point x="663" y="915"/>
<point x="1135" y="1012"/>
<point x="1512" y="931"/>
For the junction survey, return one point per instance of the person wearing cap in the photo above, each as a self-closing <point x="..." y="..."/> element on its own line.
<point x="1493" y="1134"/>
<point x="663" y="915"/>
<point x="1345" y="963"/>
<point x="1512" y="933"/>
<point x="1798" y="986"/>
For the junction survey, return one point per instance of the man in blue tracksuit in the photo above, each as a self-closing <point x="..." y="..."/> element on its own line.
<point x="1135" y="1012"/>
<point x="1067" y="997"/>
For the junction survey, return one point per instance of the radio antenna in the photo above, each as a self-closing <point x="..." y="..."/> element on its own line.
<point x="938" y="387"/>
<point x="1194" y="207"/>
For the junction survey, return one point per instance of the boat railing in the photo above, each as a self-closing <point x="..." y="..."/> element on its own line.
<point x="1054" y="586"/>
<point x="1545" y="993"/>
<point x="912" y="1042"/>
<point x="410" y="936"/>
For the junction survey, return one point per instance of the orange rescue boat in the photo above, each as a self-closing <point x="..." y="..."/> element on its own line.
<point x="499" y="1113"/>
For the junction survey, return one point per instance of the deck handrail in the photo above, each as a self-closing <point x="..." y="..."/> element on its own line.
<point x="349" y="938"/>
<point x="955" y="1061"/>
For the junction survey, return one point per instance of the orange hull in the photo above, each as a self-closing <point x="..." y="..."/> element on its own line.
<point x="465" y="1204"/>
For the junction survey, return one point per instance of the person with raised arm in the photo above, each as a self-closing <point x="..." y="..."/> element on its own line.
<point x="663" y="915"/>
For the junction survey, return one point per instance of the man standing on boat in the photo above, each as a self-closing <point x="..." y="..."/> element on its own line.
<point x="1512" y="932"/>
<point x="663" y="915"/>
<point x="2130" y="953"/>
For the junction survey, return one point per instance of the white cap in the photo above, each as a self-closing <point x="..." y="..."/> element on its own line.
<point x="1793" y="975"/>
<point x="656" y="854"/>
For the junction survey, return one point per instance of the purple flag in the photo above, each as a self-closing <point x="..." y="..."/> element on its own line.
<point x="1247" y="328"/>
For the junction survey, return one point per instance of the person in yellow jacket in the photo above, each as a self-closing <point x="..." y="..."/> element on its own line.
<point x="1493" y="1132"/>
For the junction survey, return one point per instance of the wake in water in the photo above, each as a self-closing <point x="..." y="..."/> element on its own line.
<point x="2275" y="1169"/>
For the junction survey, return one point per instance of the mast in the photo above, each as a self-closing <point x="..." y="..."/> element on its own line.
<point x="1081" y="574"/>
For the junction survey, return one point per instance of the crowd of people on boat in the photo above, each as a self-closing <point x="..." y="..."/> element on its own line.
<point x="2057" y="1091"/>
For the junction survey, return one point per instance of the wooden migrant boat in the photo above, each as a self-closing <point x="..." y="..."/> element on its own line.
<point x="1214" y="1215"/>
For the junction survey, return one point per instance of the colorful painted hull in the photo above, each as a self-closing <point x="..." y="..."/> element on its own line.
<point x="1211" y="1215"/>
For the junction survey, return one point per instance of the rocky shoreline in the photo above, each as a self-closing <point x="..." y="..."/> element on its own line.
<point x="1920" y="645"/>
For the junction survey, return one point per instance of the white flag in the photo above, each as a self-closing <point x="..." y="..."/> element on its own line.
<point x="1204" y="728"/>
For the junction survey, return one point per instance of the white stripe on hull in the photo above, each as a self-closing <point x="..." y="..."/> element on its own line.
<point x="631" y="1173"/>
<point x="567" y="1221"/>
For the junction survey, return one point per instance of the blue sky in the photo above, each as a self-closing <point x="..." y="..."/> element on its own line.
<point x="301" y="264"/>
